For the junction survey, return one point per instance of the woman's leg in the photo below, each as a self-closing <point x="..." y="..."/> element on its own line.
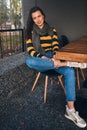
<point x="69" y="76"/>
<point x="40" y="64"/>
<point x="71" y="113"/>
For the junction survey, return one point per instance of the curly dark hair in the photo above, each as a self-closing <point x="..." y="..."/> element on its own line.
<point x="30" y="22"/>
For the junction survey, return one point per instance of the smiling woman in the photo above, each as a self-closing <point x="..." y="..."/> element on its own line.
<point x="42" y="45"/>
<point x="38" y="19"/>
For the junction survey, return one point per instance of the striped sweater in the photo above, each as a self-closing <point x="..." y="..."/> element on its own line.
<point x="49" y="43"/>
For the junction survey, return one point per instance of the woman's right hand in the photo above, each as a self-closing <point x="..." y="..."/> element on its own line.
<point x="58" y="63"/>
<point x="44" y="57"/>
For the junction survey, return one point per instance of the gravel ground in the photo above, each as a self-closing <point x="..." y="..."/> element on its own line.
<point x="8" y="63"/>
<point x="22" y="109"/>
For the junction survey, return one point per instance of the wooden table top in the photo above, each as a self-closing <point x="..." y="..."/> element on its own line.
<point x="74" y="51"/>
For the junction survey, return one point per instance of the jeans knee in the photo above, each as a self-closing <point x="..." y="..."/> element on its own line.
<point x="29" y="62"/>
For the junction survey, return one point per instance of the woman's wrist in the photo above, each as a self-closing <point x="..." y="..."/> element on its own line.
<point x="52" y="59"/>
<point x="53" y="56"/>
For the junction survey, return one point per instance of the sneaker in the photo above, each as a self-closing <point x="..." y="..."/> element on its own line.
<point x="82" y="65"/>
<point x="72" y="64"/>
<point x="76" y="64"/>
<point x="74" y="116"/>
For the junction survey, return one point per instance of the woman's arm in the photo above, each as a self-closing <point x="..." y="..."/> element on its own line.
<point x="31" y="50"/>
<point x="55" y="43"/>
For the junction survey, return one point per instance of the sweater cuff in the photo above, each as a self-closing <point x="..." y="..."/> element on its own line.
<point x="39" y="55"/>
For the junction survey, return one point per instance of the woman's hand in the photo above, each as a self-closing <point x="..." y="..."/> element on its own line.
<point x="58" y="63"/>
<point x="44" y="57"/>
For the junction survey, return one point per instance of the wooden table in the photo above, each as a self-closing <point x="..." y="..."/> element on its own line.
<point x="74" y="51"/>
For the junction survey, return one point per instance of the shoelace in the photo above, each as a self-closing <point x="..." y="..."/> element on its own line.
<point x="76" y="114"/>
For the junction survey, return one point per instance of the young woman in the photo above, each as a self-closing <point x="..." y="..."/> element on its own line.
<point x="42" y="44"/>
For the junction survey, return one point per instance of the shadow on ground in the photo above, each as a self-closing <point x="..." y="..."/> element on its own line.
<point x="22" y="109"/>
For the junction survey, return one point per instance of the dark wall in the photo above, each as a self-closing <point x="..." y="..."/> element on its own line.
<point x="69" y="17"/>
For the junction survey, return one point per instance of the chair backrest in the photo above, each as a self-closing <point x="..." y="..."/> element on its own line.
<point x="63" y="40"/>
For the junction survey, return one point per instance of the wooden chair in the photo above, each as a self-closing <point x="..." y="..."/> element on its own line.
<point x="78" y="76"/>
<point x="48" y="74"/>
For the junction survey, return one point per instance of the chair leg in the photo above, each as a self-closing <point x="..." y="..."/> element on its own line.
<point x="51" y="80"/>
<point x="45" y="89"/>
<point x="36" y="80"/>
<point x="61" y="83"/>
<point x="78" y="80"/>
<point x="59" y="78"/>
<point x="83" y="76"/>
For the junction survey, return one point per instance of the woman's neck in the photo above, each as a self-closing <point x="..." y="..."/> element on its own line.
<point x="41" y="26"/>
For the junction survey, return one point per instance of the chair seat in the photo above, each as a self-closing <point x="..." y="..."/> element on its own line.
<point x="51" y="73"/>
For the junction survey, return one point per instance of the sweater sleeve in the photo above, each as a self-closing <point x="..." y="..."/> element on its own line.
<point x="55" y="43"/>
<point x="31" y="50"/>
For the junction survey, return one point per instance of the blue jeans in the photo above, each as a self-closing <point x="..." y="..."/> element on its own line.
<point x="42" y="64"/>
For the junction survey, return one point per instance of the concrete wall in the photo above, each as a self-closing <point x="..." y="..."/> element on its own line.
<point x="69" y="16"/>
<point x="26" y="5"/>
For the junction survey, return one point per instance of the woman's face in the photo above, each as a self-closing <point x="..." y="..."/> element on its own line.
<point x="38" y="18"/>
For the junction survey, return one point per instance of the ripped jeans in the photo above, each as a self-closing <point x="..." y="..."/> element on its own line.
<point x="44" y="64"/>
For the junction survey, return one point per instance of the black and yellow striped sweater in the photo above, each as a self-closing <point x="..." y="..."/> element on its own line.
<point x="47" y="42"/>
